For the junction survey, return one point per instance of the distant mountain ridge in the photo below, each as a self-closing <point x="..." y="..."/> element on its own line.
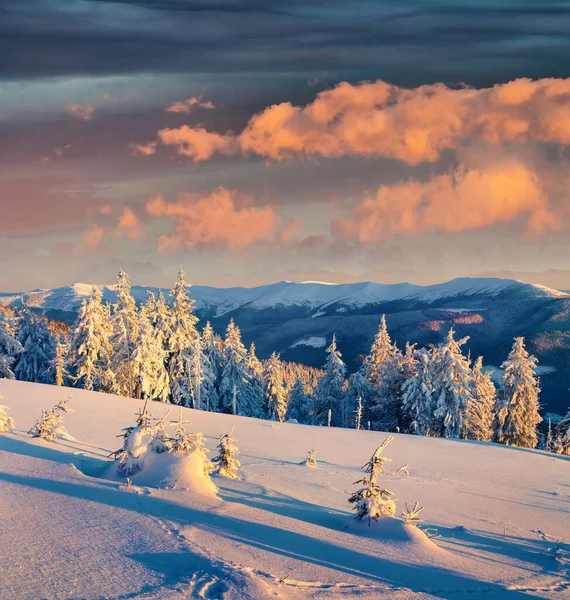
<point x="311" y="296"/>
<point x="298" y="319"/>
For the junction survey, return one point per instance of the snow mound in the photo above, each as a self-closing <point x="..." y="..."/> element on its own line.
<point x="393" y="530"/>
<point x="175" y="470"/>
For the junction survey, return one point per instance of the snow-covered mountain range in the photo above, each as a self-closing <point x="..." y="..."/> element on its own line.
<point x="313" y="298"/>
<point x="298" y="319"/>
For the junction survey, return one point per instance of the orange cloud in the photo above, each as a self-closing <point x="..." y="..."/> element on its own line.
<point x="223" y="217"/>
<point x="197" y="143"/>
<point x="128" y="225"/>
<point x="186" y="106"/>
<point x="93" y="236"/>
<point x="467" y="199"/>
<point x="143" y="149"/>
<point x="379" y="119"/>
<point x="81" y="111"/>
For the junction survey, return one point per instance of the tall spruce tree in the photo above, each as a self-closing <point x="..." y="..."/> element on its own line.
<point x="123" y="339"/>
<point x="10" y="347"/>
<point x="299" y="406"/>
<point x="182" y="344"/>
<point x="479" y="414"/>
<point x="148" y="369"/>
<point x="211" y="369"/>
<point x="562" y="443"/>
<point x="358" y="393"/>
<point x="275" y="394"/>
<point x="330" y="389"/>
<point x="452" y="387"/>
<point x="517" y="409"/>
<point x="34" y="363"/>
<point x="417" y="395"/>
<point x="237" y="396"/>
<point x="382" y="349"/>
<point x="386" y="412"/>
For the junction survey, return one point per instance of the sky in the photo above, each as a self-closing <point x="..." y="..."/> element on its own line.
<point x="254" y="141"/>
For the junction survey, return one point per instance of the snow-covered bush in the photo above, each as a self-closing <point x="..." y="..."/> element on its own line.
<point x="227" y="465"/>
<point x="136" y="443"/>
<point x="184" y="466"/>
<point x="50" y="425"/>
<point x="160" y="442"/>
<point x="6" y="422"/>
<point x="311" y="460"/>
<point x="372" y="501"/>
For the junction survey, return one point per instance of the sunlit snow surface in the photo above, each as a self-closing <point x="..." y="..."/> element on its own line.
<point x="492" y="515"/>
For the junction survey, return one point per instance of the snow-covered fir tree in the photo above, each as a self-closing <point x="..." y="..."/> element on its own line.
<point x="50" y="425"/>
<point x="358" y="414"/>
<point x="160" y="442"/>
<point x="479" y="414"/>
<point x="149" y="373"/>
<point x="59" y="364"/>
<point x="182" y="344"/>
<point x="124" y="323"/>
<point x="89" y="349"/>
<point x="161" y="318"/>
<point x="6" y="422"/>
<point x="137" y="441"/>
<point x="148" y="309"/>
<point x="386" y="411"/>
<point x="227" y="465"/>
<point x="39" y="350"/>
<point x="371" y="501"/>
<point x="562" y="443"/>
<point x="358" y="392"/>
<point x="382" y="349"/>
<point x="517" y="408"/>
<point x="10" y="347"/>
<point x="275" y="394"/>
<point x="299" y="405"/>
<point x="417" y="395"/>
<point x="237" y="396"/>
<point x="330" y="389"/>
<point x="211" y="353"/>
<point x="253" y="363"/>
<point x="452" y="387"/>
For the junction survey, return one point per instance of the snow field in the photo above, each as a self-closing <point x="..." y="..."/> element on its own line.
<point x="495" y="518"/>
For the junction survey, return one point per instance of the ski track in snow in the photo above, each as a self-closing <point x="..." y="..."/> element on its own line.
<point x="283" y="530"/>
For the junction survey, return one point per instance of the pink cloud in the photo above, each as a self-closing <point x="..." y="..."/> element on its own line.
<point x="186" y="106"/>
<point x="223" y="218"/>
<point x="197" y="143"/>
<point x="467" y="199"/>
<point x="143" y="149"/>
<point x="81" y="111"/>
<point x="379" y="119"/>
<point x="129" y="225"/>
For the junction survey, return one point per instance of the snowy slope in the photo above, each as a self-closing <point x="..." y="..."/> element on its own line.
<point x="284" y="530"/>
<point x="309" y="296"/>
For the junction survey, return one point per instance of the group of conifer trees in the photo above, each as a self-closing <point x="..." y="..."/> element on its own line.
<point x="156" y="351"/>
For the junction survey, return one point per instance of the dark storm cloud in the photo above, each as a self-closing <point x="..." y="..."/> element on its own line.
<point x="406" y="42"/>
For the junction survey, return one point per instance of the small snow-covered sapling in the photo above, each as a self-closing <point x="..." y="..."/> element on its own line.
<point x="227" y="465"/>
<point x="6" y="422"/>
<point x="50" y="425"/>
<point x="371" y="501"/>
<point x="412" y="515"/>
<point x="311" y="460"/>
